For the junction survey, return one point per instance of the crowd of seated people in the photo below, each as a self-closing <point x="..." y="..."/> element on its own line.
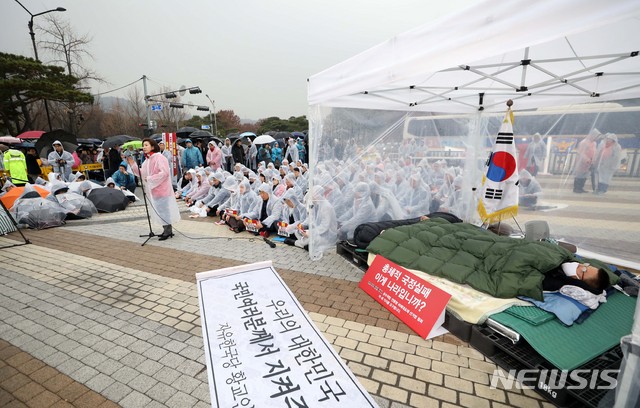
<point x="267" y="202"/>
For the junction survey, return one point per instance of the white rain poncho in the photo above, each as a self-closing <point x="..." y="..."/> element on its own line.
<point x="193" y="184"/>
<point x="274" y="206"/>
<point x="292" y="152"/>
<point x="216" y="179"/>
<point x="292" y="215"/>
<point x="528" y="185"/>
<point x="586" y="154"/>
<point x="608" y="157"/>
<point x="361" y="211"/>
<point x="324" y="223"/>
<point x="278" y="187"/>
<point x="75" y="205"/>
<point x="290" y="182"/>
<point x="61" y="162"/>
<point x="201" y="187"/>
<point x="536" y="151"/>
<point x="386" y="205"/>
<point x="233" y="200"/>
<point x="249" y="202"/>
<point x="417" y="201"/>
<point x="454" y="203"/>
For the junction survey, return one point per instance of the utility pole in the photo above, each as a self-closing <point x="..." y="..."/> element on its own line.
<point x="215" y="122"/>
<point x="146" y="105"/>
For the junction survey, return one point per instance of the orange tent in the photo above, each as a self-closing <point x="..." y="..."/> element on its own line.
<point x="13" y="194"/>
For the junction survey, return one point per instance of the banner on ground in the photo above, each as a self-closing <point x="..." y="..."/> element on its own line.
<point x="416" y="302"/>
<point x="499" y="192"/>
<point x="262" y="349"/>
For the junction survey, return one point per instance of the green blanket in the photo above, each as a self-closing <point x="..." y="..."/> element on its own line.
<point x="500" y="266"/>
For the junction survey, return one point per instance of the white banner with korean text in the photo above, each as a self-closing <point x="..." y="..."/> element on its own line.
<point x="263" y="350"/>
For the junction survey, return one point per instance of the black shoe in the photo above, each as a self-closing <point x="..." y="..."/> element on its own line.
<point x="167" y="232"/>
<point x="162" y="237"/>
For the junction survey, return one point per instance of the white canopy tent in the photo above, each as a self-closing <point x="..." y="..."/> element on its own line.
<point x="543" y="53"/>
<point x="539" y="54"/>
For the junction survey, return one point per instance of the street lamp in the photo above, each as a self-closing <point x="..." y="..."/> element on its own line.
<point x="35" y="49"/>
<point x="215" y="121"/>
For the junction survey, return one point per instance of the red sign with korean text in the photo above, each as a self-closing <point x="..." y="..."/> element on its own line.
<point x="171" y="144"/>
<point x="413" y="300"/>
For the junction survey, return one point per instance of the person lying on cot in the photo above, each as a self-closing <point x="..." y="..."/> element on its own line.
<point x="584" y="275"/>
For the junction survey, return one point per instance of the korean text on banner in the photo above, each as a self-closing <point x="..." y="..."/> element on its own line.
<point x="499" y="199"/>
<point x="263" y="350"/>
<point x="171" y="144"/>
<point x="412" y="299"/>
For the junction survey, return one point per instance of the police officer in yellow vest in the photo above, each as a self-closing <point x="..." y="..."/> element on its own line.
<point x="16" y="165"/>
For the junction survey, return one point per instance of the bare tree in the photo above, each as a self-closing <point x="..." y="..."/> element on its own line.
<point x="68" y="49"/>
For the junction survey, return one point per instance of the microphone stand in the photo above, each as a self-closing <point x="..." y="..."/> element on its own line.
<point x="151" y="234"/>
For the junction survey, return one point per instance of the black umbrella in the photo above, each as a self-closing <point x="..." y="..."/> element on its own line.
<point x="186" y="131"/>
<point x="201" y="133"/>
<point x="45" y="144"/>
<point x="282" y="135"/>
<point x="108" y="199"/>
<point x="94" y="142"/>
<point x="117" y="140"/>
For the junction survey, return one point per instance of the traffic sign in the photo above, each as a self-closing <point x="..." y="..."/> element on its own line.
<point x="205" y="127"/>
<point x="157" y="107"/>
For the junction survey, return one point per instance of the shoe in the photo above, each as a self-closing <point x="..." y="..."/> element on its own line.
<point x="221" y="222"/>
<point x="167" y="232"/>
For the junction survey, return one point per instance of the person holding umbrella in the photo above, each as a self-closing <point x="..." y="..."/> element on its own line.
<point x="156" y="177"/>
<point x="61" y="160"/>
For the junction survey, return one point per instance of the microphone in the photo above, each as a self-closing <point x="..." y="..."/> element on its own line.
<point x="269" y="242"/>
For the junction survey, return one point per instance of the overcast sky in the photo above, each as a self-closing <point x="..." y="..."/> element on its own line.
<point x="251" y="56"/>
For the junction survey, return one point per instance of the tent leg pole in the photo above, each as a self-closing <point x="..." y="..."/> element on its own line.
<point x="15" y="224"/>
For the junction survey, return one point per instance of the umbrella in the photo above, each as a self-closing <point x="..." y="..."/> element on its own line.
<point x="38" y="213"/>
<point x="108" y="199"/>
<point x="44" y="143"/>
<point x="137" y="144"/>
<point x="12" y="195"/>
<point x="26" y="145"/>
<point x="248" y="134"/>
<point x="10" y="140"/>
<point x="282" y="135"/>
<point x="201" y="133"/>
<point x="31" y="134"/>
<point x="186" y="131"/>
<point x="263" y="139"/>
<point x="92" y="142"/>
<point x="117" y="140"/>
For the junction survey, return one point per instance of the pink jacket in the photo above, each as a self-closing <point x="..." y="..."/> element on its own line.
<point x="214" y="158"/>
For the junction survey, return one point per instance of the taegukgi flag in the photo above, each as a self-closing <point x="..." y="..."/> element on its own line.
<point x="499" y="193"/>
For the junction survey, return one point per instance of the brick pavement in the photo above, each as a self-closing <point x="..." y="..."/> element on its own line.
<point x="120" y="322"/>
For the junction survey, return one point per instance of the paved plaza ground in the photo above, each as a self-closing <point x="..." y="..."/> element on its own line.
<point x="90" y="318"/>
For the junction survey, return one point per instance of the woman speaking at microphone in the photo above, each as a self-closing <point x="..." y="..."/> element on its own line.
<point x="156" y="180"/>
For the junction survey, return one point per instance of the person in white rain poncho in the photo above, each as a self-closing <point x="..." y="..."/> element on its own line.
<point x="200" y="189"/>
<point x="248" y="207"/>
<point x="156" y="179"/>
<point x="231" y="203"/>
<point x="417" y="200"/>
<point x="529" y="189"/>
<point x="454" y="203"/>
<point x="386" y="205"/>
<point x="270" y="211"/>
<point x="360" y="211"/>
<point x="61" y="161"/>
<point x="278" y="187"/>
<point x="292" y="152"/>
<point x="293" y="213"/>
<point x="323" y="222"/>
<point x="607" y="162"/>
<point x="186" y="183"/>
<point x="535" y="154"/>
<point x="199" y="209"/>
<point x="220" y="194"/>
<point x="585" y="154"/>
<point x="290" y="183"/>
